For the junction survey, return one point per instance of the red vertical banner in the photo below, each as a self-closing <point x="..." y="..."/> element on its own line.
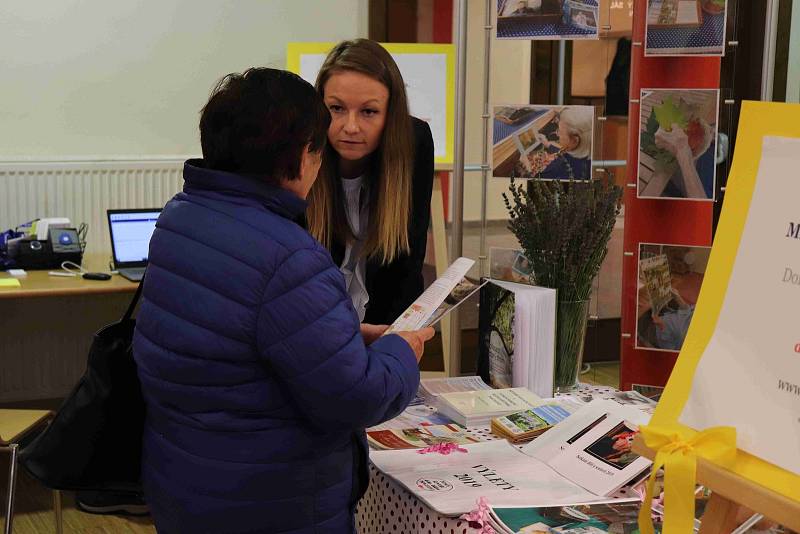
<point x="669" y="221"/>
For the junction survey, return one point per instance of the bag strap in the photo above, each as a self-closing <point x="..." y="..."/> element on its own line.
<point x="134" y="301"/>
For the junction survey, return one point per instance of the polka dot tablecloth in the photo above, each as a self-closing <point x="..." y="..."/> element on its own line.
<point x="387" y="507"/>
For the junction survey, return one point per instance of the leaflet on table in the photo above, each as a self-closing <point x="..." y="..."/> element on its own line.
<point x="627" y="398"/>
<point x="445" y="293"/>
<point x="414" y="416"/>
<point x="592" y="447"/>
<point x="416" y="438"/>
<point x="527" y="424"/>
<point x="430" y="388"/>
<point x="612" y="516"/>
<point x="451" y="484"/>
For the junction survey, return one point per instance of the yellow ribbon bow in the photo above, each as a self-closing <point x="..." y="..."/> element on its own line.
<point x="677" y="449"/>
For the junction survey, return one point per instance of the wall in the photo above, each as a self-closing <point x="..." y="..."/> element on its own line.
<point x="99" y="78"/>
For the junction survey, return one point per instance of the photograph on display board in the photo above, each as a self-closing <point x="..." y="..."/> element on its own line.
<point x="651" y="392"/>
<point x="509" y="264"/>
<point x="670" y="277"/>
<point x="547" y="19"/>
<point x="678" y="143"/>
<point x="546" y="142"/>
<point x="685" y="27"/>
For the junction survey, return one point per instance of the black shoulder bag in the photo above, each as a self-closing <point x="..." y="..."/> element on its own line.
<point x="95" y="440"/>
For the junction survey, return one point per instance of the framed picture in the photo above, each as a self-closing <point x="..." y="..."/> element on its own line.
<point x="670" y="277"/>
<point x="545" y="142"/>
<point x="547" y="19"/>
<point x="678" y="143"/>
<point x="685" y="27"/>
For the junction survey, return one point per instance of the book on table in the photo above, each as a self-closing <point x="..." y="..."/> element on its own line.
<point x="517" y="329"/>
<point x="478" y="408"/>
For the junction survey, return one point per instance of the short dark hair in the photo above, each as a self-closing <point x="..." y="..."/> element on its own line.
<point x="259" y="122"/>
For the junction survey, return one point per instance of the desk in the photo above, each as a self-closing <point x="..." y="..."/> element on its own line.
<point x="387" y="507"/>
<point x="48" y="324"/>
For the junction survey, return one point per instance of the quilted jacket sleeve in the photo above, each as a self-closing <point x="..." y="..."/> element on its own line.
<point x="309" y="335"/>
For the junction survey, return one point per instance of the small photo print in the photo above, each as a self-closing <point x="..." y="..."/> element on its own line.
<point x="614" y="448"/>
<point x="685" y="27"/>
<point x="544" y="142"/>
<point x="509" y="264"/>
<point x="651" y="392"/>
<point x="670" y="277"/>
<point x="678" y="143"/>
<point x="547" y="19"/>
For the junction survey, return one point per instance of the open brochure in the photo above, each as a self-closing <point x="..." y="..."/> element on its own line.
<point x="583" y="459"/>
<point x="444" y="294"/>
<point x="592" y="447"/>
<point x="496" y="470"/>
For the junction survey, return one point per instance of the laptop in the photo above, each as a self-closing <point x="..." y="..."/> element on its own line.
<point x="130" y="231"/>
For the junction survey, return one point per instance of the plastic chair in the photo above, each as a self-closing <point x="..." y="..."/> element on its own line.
<point x="15" y="425"/>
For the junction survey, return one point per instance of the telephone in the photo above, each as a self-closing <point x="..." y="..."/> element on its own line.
<point x="46" y="244"/>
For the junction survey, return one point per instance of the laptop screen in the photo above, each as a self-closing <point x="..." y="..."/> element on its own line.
<point x="130" y="235"/>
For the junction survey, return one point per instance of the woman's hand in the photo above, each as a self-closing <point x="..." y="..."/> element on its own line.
<point x="677" y="143"/>
<point x="543" y="139"/>
<point x="416" y="339"/>
<point x="371" y="332"/>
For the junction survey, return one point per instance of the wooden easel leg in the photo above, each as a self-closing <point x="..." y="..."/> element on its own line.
<point x="720" y="516"/>
<point x="440" y="253"/>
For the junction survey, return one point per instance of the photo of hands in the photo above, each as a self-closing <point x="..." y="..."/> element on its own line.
<point x="678" y="143"/>
<point x="670" y="277"/>
<point x="545" y="142"/>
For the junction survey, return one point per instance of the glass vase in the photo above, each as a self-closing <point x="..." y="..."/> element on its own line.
<point x="572" y="319"/>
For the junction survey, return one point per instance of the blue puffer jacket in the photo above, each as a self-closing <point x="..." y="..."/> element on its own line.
<point x="257" y="382"/>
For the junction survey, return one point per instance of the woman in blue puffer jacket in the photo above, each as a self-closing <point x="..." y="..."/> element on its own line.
<point x="256" y="375"/>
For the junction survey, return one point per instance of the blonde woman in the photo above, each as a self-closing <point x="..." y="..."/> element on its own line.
<point x="371" y="204"/>
<point x="571" y="157"/>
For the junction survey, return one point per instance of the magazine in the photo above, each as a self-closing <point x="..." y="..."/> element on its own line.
<point x="413" y="416"/>
<point x="613" y="516"/>
<point x="420" y="437"/>
<point x="444" y="294"/>
<point x="654" y="273"/>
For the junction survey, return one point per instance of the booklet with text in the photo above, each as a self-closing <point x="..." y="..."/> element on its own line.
<point x="416" y="438"/>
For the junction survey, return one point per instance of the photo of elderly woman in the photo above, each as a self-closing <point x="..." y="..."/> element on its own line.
<point x="546" y="142"/>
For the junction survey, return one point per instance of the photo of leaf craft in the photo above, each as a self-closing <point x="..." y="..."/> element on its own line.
<point x="677" y="143"/>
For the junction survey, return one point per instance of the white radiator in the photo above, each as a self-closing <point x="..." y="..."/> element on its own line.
<point x="84" y="190"/>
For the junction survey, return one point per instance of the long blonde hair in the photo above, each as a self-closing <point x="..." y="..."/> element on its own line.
<point x="390" y="169"/>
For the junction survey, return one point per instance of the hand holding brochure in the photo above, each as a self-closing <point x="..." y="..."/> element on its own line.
<point x="443" y="295"/>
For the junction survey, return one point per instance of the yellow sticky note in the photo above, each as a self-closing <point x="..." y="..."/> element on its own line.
<point x="9" y="282"/>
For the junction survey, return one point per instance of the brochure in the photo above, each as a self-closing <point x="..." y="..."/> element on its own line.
<point x="443" y="295"/>
<point x="526" y="425"/>
<point x="415" y="438"/>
